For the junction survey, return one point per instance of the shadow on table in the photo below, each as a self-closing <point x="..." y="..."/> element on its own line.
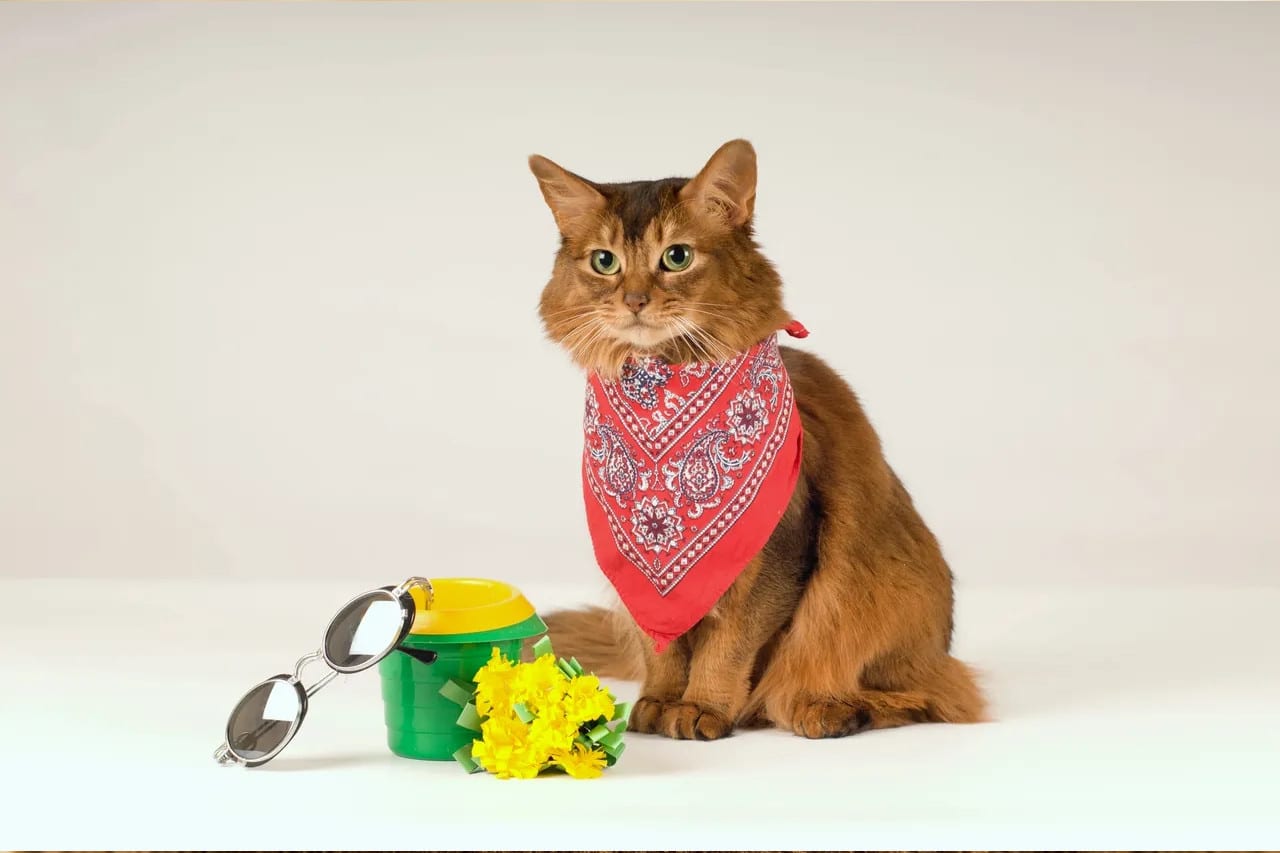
<point x="637" y="762"/>
<point x="291" y="764"/>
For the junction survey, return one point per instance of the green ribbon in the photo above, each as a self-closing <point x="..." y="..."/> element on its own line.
<point x="458" y="692"/>
<point x="469" y="719"/>
<point x="463" y="757"/>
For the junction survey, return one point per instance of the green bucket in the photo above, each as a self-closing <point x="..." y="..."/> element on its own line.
<point x="421" y="723"/>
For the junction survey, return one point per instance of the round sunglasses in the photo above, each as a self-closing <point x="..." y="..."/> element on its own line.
<point x="367" y="629"/>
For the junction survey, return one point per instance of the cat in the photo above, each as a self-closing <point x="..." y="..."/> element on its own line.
<point x="843" y="622"/>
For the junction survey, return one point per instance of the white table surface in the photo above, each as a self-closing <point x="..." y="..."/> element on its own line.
<point x="1128" y="718"/>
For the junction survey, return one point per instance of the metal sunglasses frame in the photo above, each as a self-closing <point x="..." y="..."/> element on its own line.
<point x="225" y="754"/>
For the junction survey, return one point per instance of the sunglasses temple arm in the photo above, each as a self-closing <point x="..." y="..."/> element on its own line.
<point x="420" y="583"/>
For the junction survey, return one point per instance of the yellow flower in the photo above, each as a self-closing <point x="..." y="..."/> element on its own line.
<point x="506" y="751"/>
<point x="508" y="747"/>
<point x="552" y="733"/>
<point x="585" y="701"/>
<point x="494" y="683"/>
<point x="581" y="762"/>
<point x="539" y="684"/>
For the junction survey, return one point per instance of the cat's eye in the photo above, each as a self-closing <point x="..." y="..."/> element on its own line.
<point x="605" y="262"/>
<point x="677" y="257"/>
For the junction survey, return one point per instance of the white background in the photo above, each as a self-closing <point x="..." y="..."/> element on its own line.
<point x="269" y="272"/>
<point x="267" y="289"/>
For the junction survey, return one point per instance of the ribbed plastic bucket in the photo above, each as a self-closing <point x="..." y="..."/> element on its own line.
<point x="469" y="618"/>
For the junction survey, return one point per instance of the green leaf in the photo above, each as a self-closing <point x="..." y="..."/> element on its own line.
<point x="542" y="647"/>
<point x="621" y="711"/>
<point x="523" y="712"/>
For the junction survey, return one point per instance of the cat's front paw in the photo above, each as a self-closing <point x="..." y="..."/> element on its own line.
<point x="689" y="721"/>
<point x="646" y="715"/>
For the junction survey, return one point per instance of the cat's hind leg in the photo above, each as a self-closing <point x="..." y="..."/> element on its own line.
<point x="868" y="648"/>
<point x="939" y="691"/>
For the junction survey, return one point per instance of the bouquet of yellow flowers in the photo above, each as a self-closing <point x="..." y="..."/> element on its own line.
<point x="546" y="714"/>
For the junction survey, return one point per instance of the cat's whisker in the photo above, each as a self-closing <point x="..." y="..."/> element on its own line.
<point x="694" y="303"/>
<point x="603" y="336"/>
<point x="677" y="324"/>
<point x="705" y="313"/>
<point x="587" y="321"/>
<point x="576" y="309"/>
<point x="590" y="352"/>
<point x="711" y="338"/>
<point x="593" y="332"/>
<point x="700" y="345"/>
<point x="704" y="304"/>
<point x="579" y="331"/>
<point x="578" y="334"/>
<point x="723" y="350"/>
<point x="690" y="333"/>
<point x="713" y="354"/>
<point x="583" y="336"/>
<point x="715" y="315"/>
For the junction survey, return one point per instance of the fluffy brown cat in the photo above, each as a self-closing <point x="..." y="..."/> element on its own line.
<point x="843" y="622"/>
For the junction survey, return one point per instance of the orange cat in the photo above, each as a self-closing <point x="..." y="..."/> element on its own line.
<point x="843" y="621"/>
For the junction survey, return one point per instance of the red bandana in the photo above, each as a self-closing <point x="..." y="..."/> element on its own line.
<point x="686" y="471"/>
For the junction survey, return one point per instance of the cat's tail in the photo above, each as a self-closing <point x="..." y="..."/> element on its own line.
<point x="601" y="640"/>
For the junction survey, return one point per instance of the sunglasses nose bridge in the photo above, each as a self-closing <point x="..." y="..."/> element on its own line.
<point x="303" y="661"/>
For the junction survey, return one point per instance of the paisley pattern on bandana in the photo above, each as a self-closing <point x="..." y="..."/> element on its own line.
<point x="675" y="455"/>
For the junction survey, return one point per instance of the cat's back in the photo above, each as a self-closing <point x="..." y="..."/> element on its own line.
<point x="840" y="445"/>
<point x="822" y="394"/>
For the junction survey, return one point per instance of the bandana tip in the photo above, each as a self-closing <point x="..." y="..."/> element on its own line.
<point x="796" y="329"/>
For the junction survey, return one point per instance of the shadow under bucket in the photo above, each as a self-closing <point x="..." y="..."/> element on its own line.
<point x="468" y="619"/>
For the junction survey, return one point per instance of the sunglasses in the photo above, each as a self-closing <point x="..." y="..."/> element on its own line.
<point x="367" y="629"/>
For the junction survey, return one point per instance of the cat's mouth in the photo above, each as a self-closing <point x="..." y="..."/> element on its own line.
<point x="643" y="334"/>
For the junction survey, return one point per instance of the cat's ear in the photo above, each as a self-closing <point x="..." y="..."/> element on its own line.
<point x="726" y="186"/>
<point x="570" y="197"/>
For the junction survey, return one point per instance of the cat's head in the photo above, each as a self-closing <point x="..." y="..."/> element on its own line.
<point x="665" y="267"/>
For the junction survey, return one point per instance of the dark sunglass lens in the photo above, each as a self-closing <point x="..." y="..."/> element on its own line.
<point x="364" y="631"/>
<point x="264" y="718"/>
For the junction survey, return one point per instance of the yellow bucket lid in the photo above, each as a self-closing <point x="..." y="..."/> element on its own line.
<point x="468" y="605"/>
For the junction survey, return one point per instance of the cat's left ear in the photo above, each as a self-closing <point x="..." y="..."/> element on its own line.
<point x="726" y="186"/>
<point x="569" y="196"/>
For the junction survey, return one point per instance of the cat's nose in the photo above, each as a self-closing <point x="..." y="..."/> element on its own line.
<point x="636" y="300"/>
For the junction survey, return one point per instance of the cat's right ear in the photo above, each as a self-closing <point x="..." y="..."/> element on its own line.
<point x="570" y="197"/>
<point x="726" y="187"/>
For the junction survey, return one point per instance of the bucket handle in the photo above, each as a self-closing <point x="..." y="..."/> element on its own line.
<point x="425" y="656"/>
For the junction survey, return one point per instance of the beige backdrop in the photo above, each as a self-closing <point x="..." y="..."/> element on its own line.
<point x="268" y="272"/>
